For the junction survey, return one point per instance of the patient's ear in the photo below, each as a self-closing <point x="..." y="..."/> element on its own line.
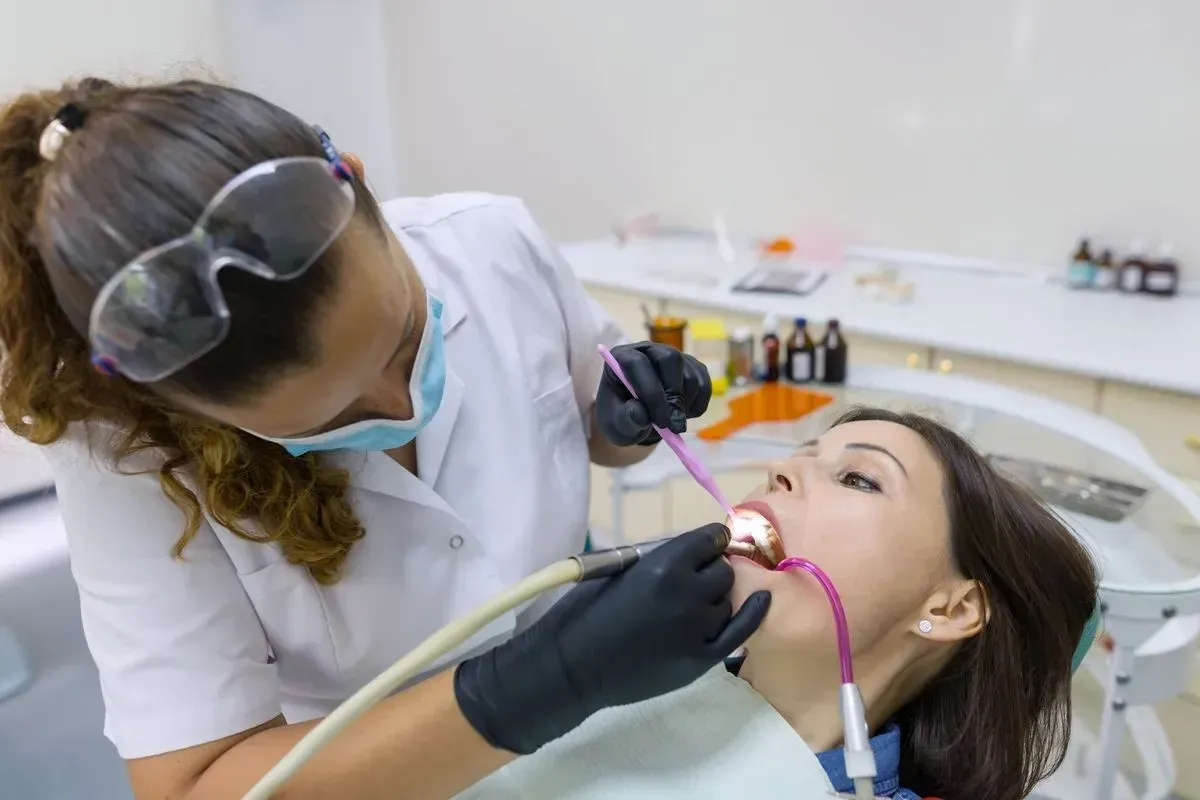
<point x="957" y="611"/>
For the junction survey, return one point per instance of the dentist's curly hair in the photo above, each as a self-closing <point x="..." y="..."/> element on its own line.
<point x="138" y="173"/>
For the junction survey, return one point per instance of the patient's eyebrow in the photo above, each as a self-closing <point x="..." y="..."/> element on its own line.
<point x="877" y="449"/>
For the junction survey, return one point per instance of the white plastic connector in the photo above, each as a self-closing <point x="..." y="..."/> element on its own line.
<point x="856" y="740"/>
<point x="860" y="764"/>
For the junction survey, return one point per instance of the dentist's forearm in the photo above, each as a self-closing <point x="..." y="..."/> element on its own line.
<point x="414" y="745"/>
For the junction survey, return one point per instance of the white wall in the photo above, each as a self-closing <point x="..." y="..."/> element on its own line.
<point x="323" y="61"/>
<point x="1002" y="129"/>
<point x="44" y="43"/>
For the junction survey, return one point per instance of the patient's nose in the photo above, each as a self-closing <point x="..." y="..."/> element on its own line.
<point x="785" y="476"/>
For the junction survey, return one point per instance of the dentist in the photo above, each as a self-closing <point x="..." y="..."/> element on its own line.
<point x="295" y="432"/>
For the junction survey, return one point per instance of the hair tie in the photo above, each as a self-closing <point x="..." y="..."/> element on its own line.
<point x="66" y="121"/>
<point x="104" y="365"/>
<point x="336" y="164"/>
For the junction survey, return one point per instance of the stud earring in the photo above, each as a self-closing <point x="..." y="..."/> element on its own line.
<point x="925" y="626"/>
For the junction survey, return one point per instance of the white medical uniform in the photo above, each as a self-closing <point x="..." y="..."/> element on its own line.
<point x="229" y="637"/>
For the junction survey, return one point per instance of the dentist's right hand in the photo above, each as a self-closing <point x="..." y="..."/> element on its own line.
<point x="652" y="629"/>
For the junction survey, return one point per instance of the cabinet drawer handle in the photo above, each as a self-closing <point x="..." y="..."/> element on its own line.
<point x="912" y="361"/>
<point x="1192" y="442"/>
<point x="945" y="366"/>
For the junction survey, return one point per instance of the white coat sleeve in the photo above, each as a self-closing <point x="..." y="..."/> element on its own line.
<point x="182" y="657"/>
<point x="588" y="325"/>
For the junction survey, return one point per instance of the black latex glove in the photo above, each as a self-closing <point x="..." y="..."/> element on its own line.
<point x="672" y="388"/>
<point x="650" y="630"/>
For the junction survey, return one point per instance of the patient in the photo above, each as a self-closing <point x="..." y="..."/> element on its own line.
<point x="966" y="599"/>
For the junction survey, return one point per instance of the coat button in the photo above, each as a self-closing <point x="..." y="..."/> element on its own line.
<point x="456" y="542"/>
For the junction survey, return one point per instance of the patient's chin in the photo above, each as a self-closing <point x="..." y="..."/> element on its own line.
<point x="748" y="578"/>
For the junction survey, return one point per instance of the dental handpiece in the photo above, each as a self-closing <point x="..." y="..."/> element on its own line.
<point x="614" y="560"/>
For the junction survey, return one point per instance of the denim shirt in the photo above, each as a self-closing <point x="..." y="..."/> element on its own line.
<point x="885" y="744"/>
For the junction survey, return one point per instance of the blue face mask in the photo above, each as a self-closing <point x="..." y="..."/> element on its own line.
<point x="426" y="387"/>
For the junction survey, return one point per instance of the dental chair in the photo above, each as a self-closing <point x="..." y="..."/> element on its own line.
<point x="1151" y="609"/>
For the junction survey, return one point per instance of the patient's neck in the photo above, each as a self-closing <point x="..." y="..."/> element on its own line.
<point x="804" y="690"/>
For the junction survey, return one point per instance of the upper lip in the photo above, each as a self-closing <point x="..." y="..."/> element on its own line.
<point x="763" y="510"/>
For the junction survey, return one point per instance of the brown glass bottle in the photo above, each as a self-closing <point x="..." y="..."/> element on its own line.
<point x="832" y="354"/>
<point x="1162" y="274"/>
<point x="1133" y="269"/>
<point x="770" y="349"/>
<point x="1082" y="269"/>
<point x="1105" y="276"/>
<point x="800" y="354"/>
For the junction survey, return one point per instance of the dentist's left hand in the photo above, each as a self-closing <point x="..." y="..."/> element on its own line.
<point x="672" y="387"/>
<point x="652" y="629"/>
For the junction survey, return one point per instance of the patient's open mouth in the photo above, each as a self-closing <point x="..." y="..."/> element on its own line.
<point x="755" y="534"/>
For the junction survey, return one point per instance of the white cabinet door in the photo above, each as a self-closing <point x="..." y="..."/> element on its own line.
<point x="1074" y="389"/>
<point x="644" y="514"/>
<point x="886" y="352"/>
<point x="1167" y="423"/>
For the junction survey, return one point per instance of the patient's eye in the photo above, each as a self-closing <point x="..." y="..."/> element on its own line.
<point x="856" y="480"/>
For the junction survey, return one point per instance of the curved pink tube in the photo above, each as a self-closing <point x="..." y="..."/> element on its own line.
<point x="835" y="603"/>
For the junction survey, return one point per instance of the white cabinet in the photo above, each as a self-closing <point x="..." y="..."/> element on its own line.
<point x="886" y="352"/>
<point x="1167" y="423"/>
<point x="644" y="514"/>
<point x="1074" y="389"/>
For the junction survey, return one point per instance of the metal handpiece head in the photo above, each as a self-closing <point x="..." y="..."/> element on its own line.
<point x="754" y="537"/>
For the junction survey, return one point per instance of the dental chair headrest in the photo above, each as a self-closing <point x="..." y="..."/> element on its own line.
<point x="1087" y="639"/>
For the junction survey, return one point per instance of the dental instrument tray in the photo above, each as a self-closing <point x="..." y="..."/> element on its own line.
<point x="1081" y="492"/>
<point x="778" y="279"/>
<point x="1074" y="491"/>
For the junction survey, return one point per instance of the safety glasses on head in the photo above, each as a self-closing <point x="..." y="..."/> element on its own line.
<point x="164" y="309"/>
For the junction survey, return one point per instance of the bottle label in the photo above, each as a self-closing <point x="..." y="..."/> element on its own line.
<point x="1159" y="282"/>
<point x="819" y="367"/>
<point x="1081" y="273"/>
<point x="1104" y="279"/>
<point x="801" y="365"/>
<point x="1131" y="279"/>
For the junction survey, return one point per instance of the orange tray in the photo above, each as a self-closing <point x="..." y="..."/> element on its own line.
<point x="770" y="402"/>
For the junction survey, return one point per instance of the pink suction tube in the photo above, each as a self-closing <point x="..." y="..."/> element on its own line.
<point x="835" y="603"/>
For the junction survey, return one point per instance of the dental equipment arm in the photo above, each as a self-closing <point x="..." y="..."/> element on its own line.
<point x="641" y="633"/>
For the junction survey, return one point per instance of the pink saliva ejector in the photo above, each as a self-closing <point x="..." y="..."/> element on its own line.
<point x="674" y="441"/>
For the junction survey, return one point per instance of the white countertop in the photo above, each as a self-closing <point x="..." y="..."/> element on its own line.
<point x="1007" y="315"/>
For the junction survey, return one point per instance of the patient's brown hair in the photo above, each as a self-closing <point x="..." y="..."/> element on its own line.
<point x="996" y="720"/>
